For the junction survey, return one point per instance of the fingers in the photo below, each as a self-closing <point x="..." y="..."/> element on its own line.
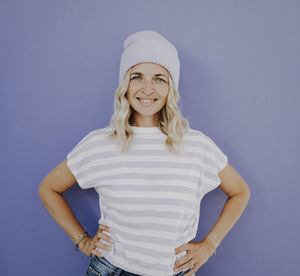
<point x="183" y="263"/>
<point x="102" y="236"/>
<point x="96" y="253"/>
<point x="192" y="271"/>
<point x="93" y="243"/>
<point x="103" y="246"/>
<point x="106" y="237"/>
<point x="103" y="227"/>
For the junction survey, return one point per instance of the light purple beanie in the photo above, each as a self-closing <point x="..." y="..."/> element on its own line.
<point x="150" y="46"/>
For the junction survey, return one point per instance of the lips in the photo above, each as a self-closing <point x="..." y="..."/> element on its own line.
<point x="146" y="101"/>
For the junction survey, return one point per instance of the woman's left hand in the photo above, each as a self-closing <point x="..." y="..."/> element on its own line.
<point x="197" y="254"/>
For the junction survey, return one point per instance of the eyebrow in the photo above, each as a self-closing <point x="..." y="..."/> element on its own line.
<point x="138" y="73"/>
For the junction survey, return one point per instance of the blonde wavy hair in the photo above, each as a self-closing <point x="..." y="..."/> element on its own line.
<point x="171" y="122"/>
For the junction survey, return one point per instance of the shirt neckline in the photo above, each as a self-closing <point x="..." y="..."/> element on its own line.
<point x="137" y="129"/>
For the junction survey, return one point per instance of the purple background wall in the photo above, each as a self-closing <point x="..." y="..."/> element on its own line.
<point x="239" y="84"/>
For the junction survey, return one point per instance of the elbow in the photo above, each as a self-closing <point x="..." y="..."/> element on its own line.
<point x="249" y="193"/>
<point x="41" y="190"/>
<point x="246" y="192"/>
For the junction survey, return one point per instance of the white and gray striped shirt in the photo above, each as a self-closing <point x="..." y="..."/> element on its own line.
<point x="149" y="197"/>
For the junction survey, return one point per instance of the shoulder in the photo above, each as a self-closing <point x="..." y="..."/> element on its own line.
<point x="97" y="133"/>
<point x="195" y="132"/>
<point x="101" y="131"/>
<point x="198" y="135"/>
<point x="214" y="154"/>
<point x="205" y="141"/>
<point x="91" y="139"/>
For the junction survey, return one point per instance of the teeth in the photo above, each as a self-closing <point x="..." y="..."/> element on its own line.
<point x="146" y="101"/>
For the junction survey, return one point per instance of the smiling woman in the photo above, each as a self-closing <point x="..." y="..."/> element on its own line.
<point x="151" y="171"/>
<point x="147" y="92"/>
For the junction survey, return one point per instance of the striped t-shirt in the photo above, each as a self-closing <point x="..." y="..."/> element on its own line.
<point x="149" y="197"/>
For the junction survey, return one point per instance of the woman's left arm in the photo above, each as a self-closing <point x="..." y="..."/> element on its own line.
<point x="238" y="196"/>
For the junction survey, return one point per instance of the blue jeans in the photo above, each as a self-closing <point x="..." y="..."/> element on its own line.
<point x="102" y="267"/>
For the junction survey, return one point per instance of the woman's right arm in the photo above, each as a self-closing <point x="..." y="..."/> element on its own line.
<point x="51" y="189"/>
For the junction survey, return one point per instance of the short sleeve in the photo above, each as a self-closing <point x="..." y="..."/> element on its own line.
<point x="79" y="161"/>
<point x="220" y="158"/>
<point x="215" y="160"/>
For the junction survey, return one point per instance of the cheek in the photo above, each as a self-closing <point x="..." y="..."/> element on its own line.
<point x="164" y="93"/>
<point x="134" y="86"/>
<point x="130" y="92"/>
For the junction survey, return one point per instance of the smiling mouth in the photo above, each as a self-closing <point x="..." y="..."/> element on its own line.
<point x="146" y="101"/>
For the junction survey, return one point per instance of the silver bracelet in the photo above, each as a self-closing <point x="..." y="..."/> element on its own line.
<point x="82" y="236"/>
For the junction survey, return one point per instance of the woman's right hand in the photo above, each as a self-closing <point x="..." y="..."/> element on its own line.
<point x="89" y="244"/>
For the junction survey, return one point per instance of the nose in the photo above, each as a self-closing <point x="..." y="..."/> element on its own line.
<point x="148" y="87"/>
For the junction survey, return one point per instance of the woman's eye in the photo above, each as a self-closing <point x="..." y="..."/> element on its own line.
<point x="135" y="77"/>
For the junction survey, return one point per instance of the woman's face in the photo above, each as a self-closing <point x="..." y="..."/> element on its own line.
<point x="147" y="91"/>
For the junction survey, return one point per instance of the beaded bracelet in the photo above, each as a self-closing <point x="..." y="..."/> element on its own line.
<point x="215" y="240"/>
